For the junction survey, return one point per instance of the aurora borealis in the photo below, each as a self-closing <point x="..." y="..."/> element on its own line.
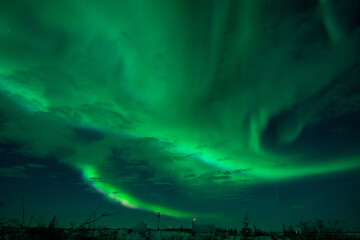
<point x="188" y="108"/>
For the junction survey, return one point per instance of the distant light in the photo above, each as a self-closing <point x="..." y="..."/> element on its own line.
<point x="170" y="227"/>
<point x="194" y="219"/>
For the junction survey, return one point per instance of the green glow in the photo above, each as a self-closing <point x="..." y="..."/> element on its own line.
<point x="202" y="84"/>
<point x="332" y="26"/>
<point x="115" y="194"/>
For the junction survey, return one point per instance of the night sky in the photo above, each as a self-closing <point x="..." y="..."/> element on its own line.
<point x="205" y="109"/>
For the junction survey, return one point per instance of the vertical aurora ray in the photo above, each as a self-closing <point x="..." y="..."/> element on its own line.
<point x="332" y="26"/>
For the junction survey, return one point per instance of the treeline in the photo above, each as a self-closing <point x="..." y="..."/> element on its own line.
<point x="89" y="230"/>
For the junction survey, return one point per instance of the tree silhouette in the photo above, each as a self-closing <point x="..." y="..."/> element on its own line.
<point x="246" y="231"/>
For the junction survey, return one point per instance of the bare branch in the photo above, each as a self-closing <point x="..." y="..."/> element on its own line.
<point x="94" y="217"/>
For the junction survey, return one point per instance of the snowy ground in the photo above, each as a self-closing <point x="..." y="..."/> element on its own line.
<point x="166" y="235"/>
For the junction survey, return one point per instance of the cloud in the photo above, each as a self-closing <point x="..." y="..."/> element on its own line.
<point x="19" y="171"/>
<point x="14" y="172"/>
<point x="35" y="165"/>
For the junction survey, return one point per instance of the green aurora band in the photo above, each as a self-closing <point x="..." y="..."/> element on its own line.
<point x="193" y="81"/>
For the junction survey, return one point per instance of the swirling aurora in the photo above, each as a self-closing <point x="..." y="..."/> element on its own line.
<point x="155" y="98"/>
